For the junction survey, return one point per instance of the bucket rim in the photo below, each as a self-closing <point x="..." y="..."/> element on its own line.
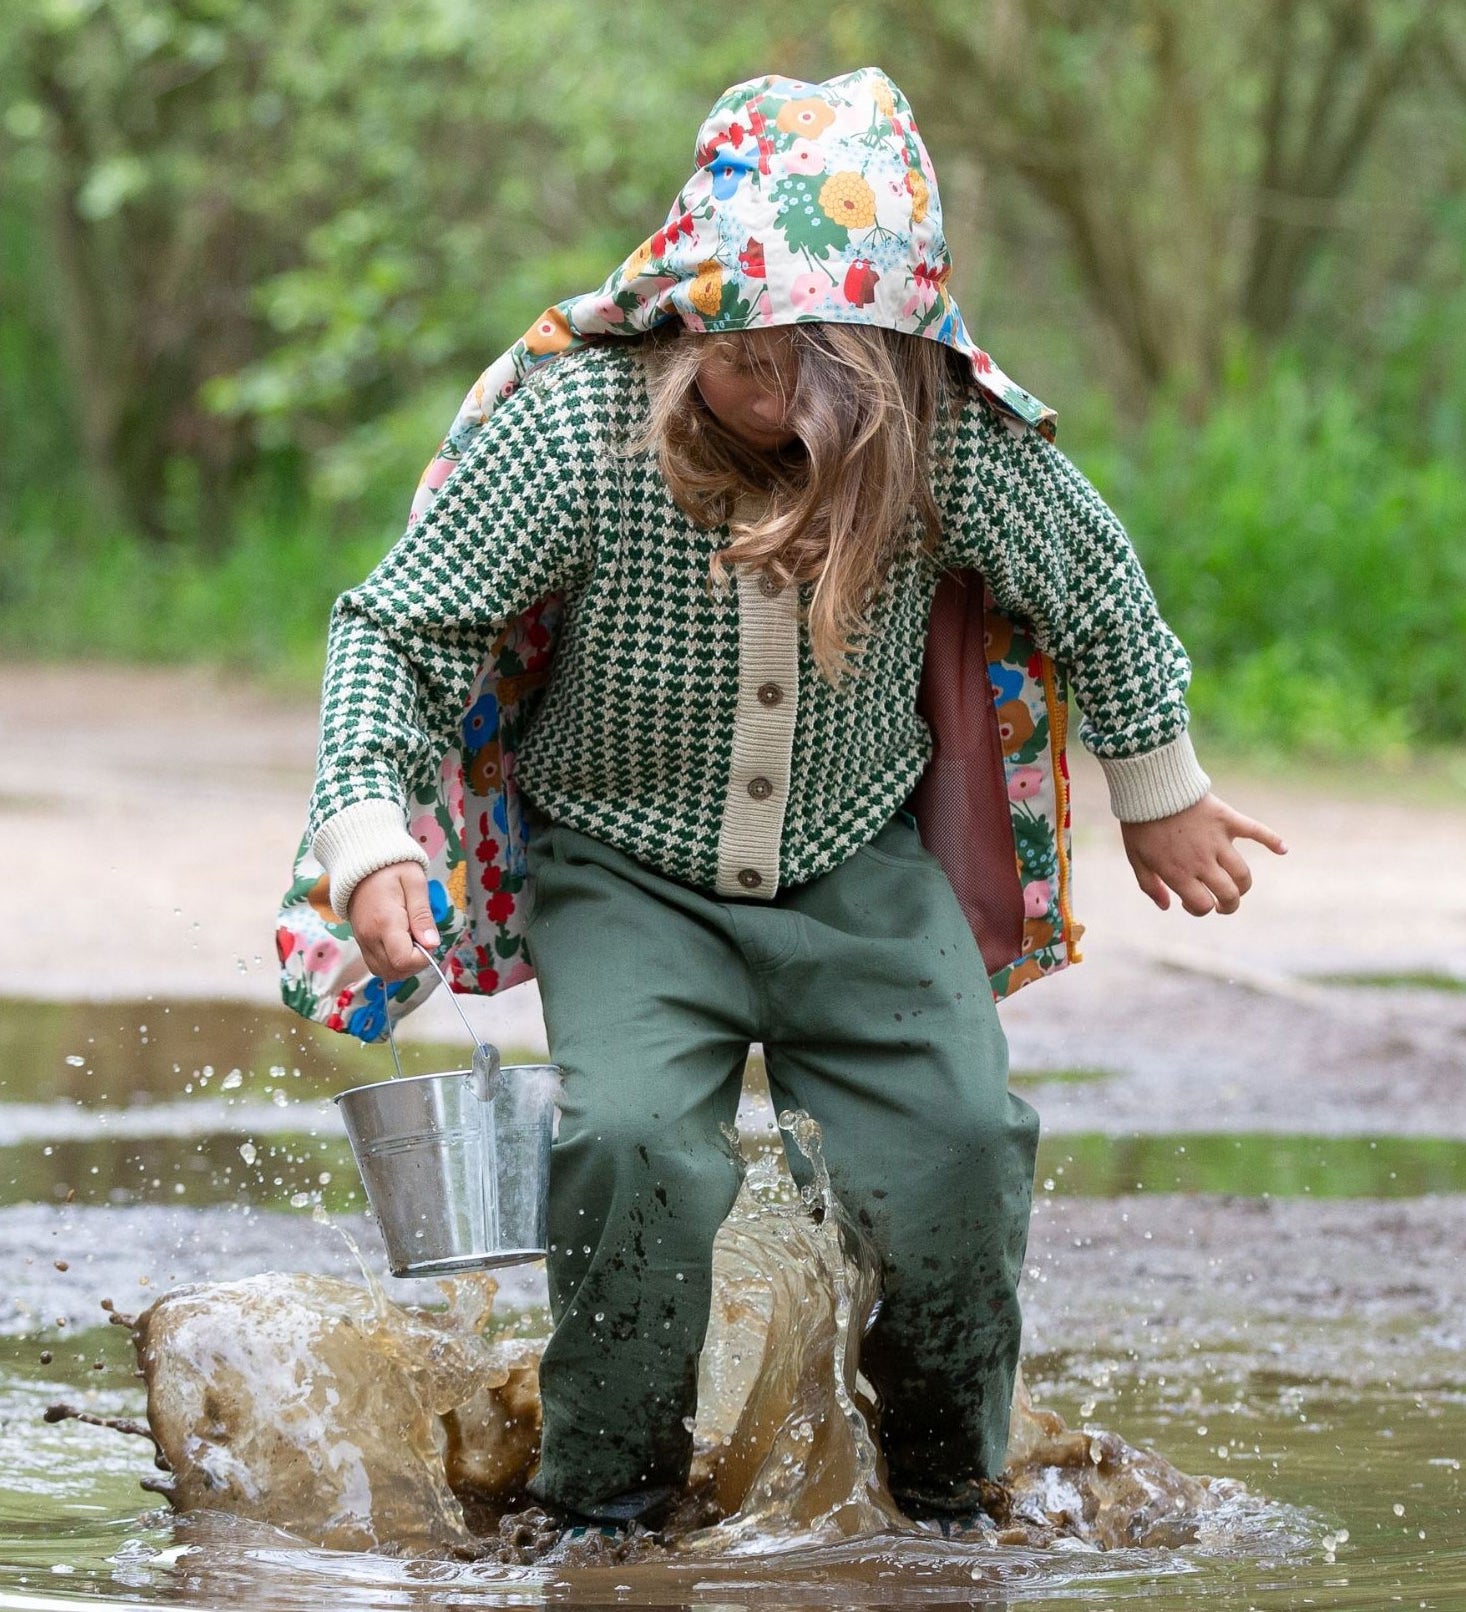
<point x="445" y="1074"/>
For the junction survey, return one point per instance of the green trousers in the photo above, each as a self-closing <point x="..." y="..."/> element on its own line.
<point x="869" y="995"/>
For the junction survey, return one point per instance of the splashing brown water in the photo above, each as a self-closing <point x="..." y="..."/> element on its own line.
<point x="321" y="1407"/>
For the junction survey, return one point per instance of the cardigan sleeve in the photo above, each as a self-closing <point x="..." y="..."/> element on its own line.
<point x="1017" y="509"/>
<point x="511" y="523"/>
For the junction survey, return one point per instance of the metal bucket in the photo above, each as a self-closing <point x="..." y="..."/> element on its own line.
<point x="456" y="1166"/>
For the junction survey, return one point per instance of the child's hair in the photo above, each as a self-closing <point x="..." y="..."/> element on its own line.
<point x="866" y="404"/>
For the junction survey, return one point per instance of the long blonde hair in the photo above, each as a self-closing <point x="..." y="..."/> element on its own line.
<point x="865" y="409"/>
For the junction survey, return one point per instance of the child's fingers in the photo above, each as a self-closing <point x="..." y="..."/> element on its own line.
<point x="1223" y="888"/>
<point x="382" y="919"/>
<point x="403" y="958"/>
<point x="1248" y="828"/>
<point x="1232" y="860"/>
<point x="419" y="908"/>
<point x="395" y="940"/>
<point x="1195" y="896"/>
<point x="1154" y="886"/>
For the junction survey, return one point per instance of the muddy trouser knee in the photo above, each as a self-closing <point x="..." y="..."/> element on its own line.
<point x="869" y="995"/>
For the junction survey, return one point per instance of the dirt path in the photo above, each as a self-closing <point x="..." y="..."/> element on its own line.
<point x="148" y="819"/>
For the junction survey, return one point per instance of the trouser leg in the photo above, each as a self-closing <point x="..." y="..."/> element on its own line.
<point x="646" y="1010"/>
<point x="884" y="1029"/>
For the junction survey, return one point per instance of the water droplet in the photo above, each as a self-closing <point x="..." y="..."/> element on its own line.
<point x="600" y="1316"/>
<point x="1048" y="1183"/>
<point x="231" y="1082"/>
<point x="75" y="1059"/>
<point x="324" y="1178"/>
<point x="281" y="1099"/>
<point x="1398" y="1509"/>
<point x="298" y="1200"/>
<point x="248" y="1152"/>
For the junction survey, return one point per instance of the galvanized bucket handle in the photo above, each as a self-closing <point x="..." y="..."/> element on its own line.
<point x="485" y="1074"/>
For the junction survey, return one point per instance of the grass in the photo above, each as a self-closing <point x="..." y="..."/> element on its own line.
<point x="1082" y="1075"/>
<point x="1420" y="980"/>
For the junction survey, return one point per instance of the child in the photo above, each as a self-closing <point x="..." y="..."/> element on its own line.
<point x="755" y="452"/>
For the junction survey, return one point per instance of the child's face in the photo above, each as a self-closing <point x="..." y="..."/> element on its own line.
<point x="747" y="381"/>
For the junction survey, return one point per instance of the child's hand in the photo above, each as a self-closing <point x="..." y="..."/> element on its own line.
<point x="388" y="911"/>
<point x="1192" y="852"/>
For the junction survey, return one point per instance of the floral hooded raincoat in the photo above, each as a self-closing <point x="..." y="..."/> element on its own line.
<point x="807" y="202"/>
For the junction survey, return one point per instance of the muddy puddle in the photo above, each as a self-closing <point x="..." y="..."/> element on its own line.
<point x="1277" y="1318"/>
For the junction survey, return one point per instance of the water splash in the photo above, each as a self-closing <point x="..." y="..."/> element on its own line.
<point x="313" y="1404"/>
<point x="781" y="1434"/>
<point x="318" y="1406"/>
<point x="322" y="1217"/>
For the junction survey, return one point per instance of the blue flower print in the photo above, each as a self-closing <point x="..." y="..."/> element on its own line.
<point x="1007" y="681"/>
<point x="481" y="722"/>
<point x="369" y="1021"/>
<point x="438" y="902"/>
<point x="729" y="167"/>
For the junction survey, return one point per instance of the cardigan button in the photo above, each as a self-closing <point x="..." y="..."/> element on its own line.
<point x="769" y="694"/>
<point x="760" y="788"/>
<point x="769" y="586"/>
<point x="750" y="878"/>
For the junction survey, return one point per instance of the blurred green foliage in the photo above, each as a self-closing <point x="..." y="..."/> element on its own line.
<point x="1313" y="562"/>
<point x="252" y="253"/>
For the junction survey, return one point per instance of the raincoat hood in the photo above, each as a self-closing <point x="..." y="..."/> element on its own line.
<point x="808" y="202"/>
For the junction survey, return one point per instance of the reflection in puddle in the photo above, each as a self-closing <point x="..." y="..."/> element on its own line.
<point x="172" y="1154"/>
<point x="279" y="1170"/>
<point x="129" y="1052"/>
<point x="1258" y="1163"/>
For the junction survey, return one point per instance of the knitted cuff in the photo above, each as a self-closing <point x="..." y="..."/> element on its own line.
<point x="1155" y="784"/>
<point x="360" y="839"/>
